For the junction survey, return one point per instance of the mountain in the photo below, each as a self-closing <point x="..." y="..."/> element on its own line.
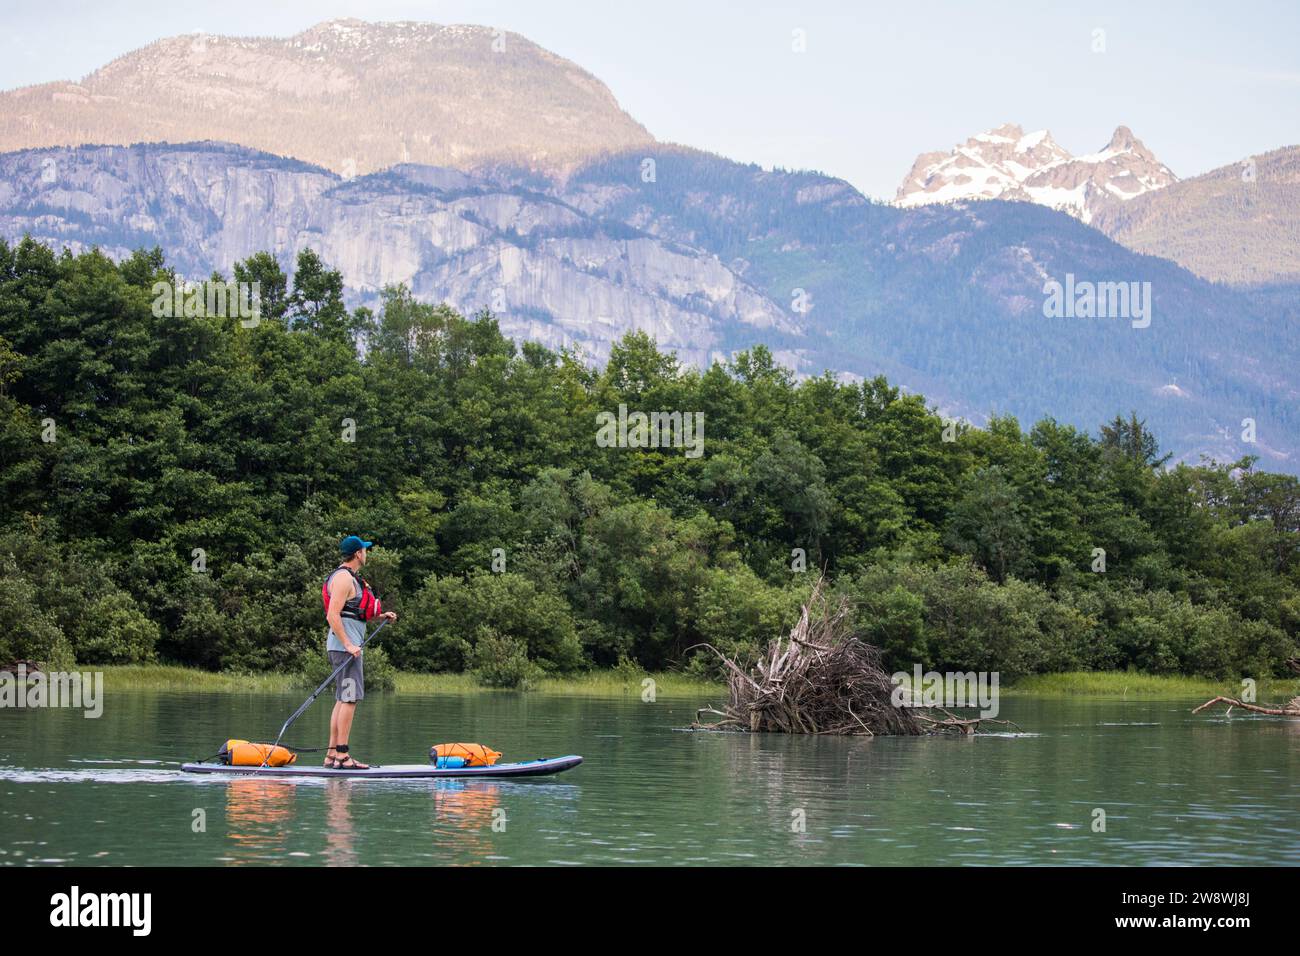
<point x="555" y="274"/>
<point x="350" y="96"/>
<point x="710" y="256"/>
<point x="949" y="300"/>
<point x="1239" y="223"/>
<point x="1007" y="163"/>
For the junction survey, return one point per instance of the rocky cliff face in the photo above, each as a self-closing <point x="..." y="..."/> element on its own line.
<point x="550" y="273"/>
<point x="350" y="96"/>
<point x="1007" y="163"/>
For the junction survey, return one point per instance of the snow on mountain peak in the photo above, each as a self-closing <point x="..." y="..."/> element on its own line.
<point x="1008" y="163"/>
<point x="1006" y="133"/>
<point x="1031" y="140"/>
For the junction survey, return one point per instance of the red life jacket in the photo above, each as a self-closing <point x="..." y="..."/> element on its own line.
<point x="362" y="606"/>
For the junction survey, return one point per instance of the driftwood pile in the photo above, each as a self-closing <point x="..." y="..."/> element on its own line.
<point x="821" y="679"/>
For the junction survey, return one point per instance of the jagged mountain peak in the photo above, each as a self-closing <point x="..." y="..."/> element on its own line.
<point x="1008" y="163"/>
<point x="1122" y="139"/>
<point x="1007" y="131"/>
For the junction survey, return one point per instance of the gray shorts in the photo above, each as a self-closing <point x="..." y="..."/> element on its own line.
<point x="350" y="686"/>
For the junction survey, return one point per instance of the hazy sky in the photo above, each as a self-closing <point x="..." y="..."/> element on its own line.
<point x="1201" y="84"/>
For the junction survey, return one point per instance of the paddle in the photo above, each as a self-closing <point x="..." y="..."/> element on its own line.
<point x="319" y="690"/>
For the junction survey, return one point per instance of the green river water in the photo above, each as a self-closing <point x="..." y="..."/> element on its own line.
<point x="1175" y="788"/>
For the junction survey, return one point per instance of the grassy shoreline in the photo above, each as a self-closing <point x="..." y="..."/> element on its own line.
<point x="598" y="683"/>
<point x="1124" y="685"/>
<point x="1130" y="685"/>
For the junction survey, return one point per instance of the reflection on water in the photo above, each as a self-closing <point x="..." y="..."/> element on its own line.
<point x="1174" y="788"/>
<point x="258" y="816"/>
<point x="469" y="808"/>
<point x="340" y="834"/>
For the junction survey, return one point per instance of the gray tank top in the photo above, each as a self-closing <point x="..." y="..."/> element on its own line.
<point x="356" y="631"/>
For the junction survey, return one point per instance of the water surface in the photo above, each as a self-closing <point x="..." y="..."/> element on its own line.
<point x="1175" y="788"/>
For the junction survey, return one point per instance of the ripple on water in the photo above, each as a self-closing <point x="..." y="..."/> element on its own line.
<point x="52" y="775"/>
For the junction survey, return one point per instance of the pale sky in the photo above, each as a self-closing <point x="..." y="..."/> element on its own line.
<point x="1202" y="84"/>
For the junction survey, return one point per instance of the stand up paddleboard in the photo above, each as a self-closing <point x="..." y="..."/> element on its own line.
<point x="246" y="759"/>
<point x="528" y="768"/>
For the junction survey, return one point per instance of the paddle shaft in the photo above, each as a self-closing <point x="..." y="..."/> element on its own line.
<point x="319" y="690"/>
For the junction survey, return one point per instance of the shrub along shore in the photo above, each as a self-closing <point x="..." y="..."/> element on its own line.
<point x="173" y="488"/>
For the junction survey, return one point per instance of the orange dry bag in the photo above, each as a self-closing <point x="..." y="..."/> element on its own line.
<point x="475" y="755"/>
<point x="240" y="753"/>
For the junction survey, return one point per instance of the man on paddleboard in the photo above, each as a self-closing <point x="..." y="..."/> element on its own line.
<point x="349" y="603"/>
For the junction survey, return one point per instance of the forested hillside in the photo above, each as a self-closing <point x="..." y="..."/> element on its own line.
<point x="1238" y="223"/>
<point x="174" y="488"/>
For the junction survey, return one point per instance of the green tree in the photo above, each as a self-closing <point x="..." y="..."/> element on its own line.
<point x="988" y="523"/>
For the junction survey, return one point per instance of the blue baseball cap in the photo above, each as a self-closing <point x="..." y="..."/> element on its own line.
<point x="352" y="544"/>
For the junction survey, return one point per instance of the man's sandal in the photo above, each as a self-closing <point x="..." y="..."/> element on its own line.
<point x="330" y="758"/>
<point x="346" y="762"/>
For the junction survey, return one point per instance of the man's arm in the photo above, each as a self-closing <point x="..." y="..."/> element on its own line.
<point x="341" y="589"/>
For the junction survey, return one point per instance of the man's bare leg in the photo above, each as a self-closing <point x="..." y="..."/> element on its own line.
<point x="343" y="714"/>
<point x="334" y="732"/>
<point x="346" y="712"/>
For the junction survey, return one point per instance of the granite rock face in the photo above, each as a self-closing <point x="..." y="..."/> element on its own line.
<point x="548" y="271"/>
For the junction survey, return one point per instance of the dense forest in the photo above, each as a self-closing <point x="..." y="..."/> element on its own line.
<point x="174" y="488"/>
